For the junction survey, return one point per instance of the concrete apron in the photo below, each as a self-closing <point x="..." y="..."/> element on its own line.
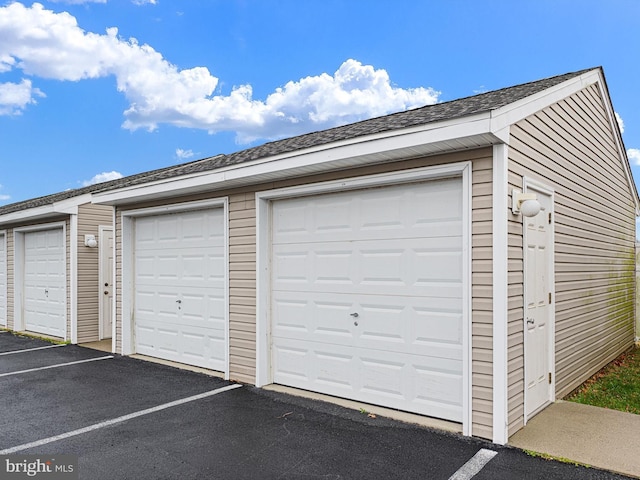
<point x="593" y="436"/>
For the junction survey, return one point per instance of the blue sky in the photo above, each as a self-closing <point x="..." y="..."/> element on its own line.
<point x="92" y="89"/>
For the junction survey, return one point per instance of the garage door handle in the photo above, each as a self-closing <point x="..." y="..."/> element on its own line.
<point x="354" y="314"/>
<point x="530" y="321"/>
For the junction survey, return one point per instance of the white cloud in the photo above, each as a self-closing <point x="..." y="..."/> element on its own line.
<point x="4" y="197"/>
<point x="184" y="154"/>
<point x="620" y="122"/>
<point x="102" y="177"/>
<point x="45" y="44"/>
<point x="634" y="155"/>
<point x="144" y="2"/>
<point x="14" y="97"/>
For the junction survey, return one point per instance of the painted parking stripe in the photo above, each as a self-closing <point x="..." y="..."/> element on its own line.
<point x="55" y="366"/>
<point x="114" y="421"/>
<point x="31" y="349"/>
<point x="473" y="466"/>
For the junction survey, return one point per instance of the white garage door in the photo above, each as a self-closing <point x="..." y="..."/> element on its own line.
<point x="44" y="282"/>
<point x="180" y="293"/>
<point x="367" y="296"/>
<point x="3" y="281"/>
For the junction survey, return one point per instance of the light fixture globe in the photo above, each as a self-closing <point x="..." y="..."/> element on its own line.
<point x="90" y="241"/>
<point x="530" y="208"/>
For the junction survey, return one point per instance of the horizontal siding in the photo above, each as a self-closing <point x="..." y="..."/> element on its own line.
<point x="90" y="217"/>
<point x="482" y="298"/>
<point x="242" y="287"/>
<point x="570" y="146"/>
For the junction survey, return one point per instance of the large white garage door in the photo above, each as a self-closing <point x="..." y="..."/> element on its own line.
<point x="367" y="296"/>
<point x="44" y="282"/>
<point x="3" y="281"/>
<point x="180" y="292"/>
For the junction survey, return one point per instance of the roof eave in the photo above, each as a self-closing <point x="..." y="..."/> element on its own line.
<point x="439" y="137"/>
<point x="65" y="207"/>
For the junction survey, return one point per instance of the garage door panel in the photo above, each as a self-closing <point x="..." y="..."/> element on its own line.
<point x="366" y="295"/>
<point x="370" y="267"/>
<point x="189" y="345"/>
<point x="180" y="287"/>
<point x="433" y="389"/>
<point x="44" y="282"/>
<point x="388" y="212"/>
<point x="424" y="230"/>
<point x="384" y="323"/>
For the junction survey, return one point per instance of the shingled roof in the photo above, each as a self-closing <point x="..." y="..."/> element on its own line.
<point x="453" y="109"/>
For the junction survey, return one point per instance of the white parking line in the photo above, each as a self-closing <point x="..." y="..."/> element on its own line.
<point x="32" y="349"/>
<point x="473" y="466"/>
<point x="54" y="366"/>
<point x="124" y="418"/>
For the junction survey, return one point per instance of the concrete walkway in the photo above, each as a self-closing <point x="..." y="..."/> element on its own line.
<point x="594" y="436"/>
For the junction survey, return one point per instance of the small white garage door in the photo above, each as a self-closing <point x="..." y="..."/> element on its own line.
<point x="180" y="287"/>
<point x="44" y="282"/>
<point x="3" y="280"/>
<point x="367" y="296"/>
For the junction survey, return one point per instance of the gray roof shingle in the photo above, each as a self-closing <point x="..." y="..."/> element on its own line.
<point x="419" y="116"/>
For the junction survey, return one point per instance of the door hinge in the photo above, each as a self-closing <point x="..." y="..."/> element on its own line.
<point x="549" y="218"/>
<point x="549" y="378"/>
<point x="549" y="298"/>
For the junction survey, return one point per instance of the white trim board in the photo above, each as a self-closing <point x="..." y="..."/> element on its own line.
<point x="500" y="294"/>
<point x="68" y="206"/>
<point x="263" y="288"/>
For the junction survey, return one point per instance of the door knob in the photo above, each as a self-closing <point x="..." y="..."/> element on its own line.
<point x="530" y="321"/>
<point x="106" y="292"/>
<point x="354" y="314"/>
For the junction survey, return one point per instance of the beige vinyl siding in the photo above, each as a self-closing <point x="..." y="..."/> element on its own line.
<point x="570" y="147"/>
<point x="482" y="297"/>
<point x="90" y="217"/>
<point x="242" y="269"/>
<point x="242" y="287"/>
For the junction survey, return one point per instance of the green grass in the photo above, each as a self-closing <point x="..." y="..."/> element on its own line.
<point x="617" y="386"/>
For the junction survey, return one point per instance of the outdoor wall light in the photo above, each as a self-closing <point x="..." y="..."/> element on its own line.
<point x="90" y="241"/>
<point x="526" y="204"/>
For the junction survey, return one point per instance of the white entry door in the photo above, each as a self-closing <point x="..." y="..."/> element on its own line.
<point x="106" y="282"/>
<point x="3" y="280"/>
<point x="538" y="266"/>
<point x="44" y="282"/>
<point x="366" y="299"/>
<point x="180" y="287"/>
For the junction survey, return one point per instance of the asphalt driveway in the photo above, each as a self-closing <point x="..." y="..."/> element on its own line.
<point x="126" y="418"/>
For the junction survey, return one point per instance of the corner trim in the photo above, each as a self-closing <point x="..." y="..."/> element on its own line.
<point x="500" y="293"/>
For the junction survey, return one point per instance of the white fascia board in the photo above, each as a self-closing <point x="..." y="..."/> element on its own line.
<point x="68" y="206"/>
<point x="506" y="116"/>
<point x="397" y="144"/>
